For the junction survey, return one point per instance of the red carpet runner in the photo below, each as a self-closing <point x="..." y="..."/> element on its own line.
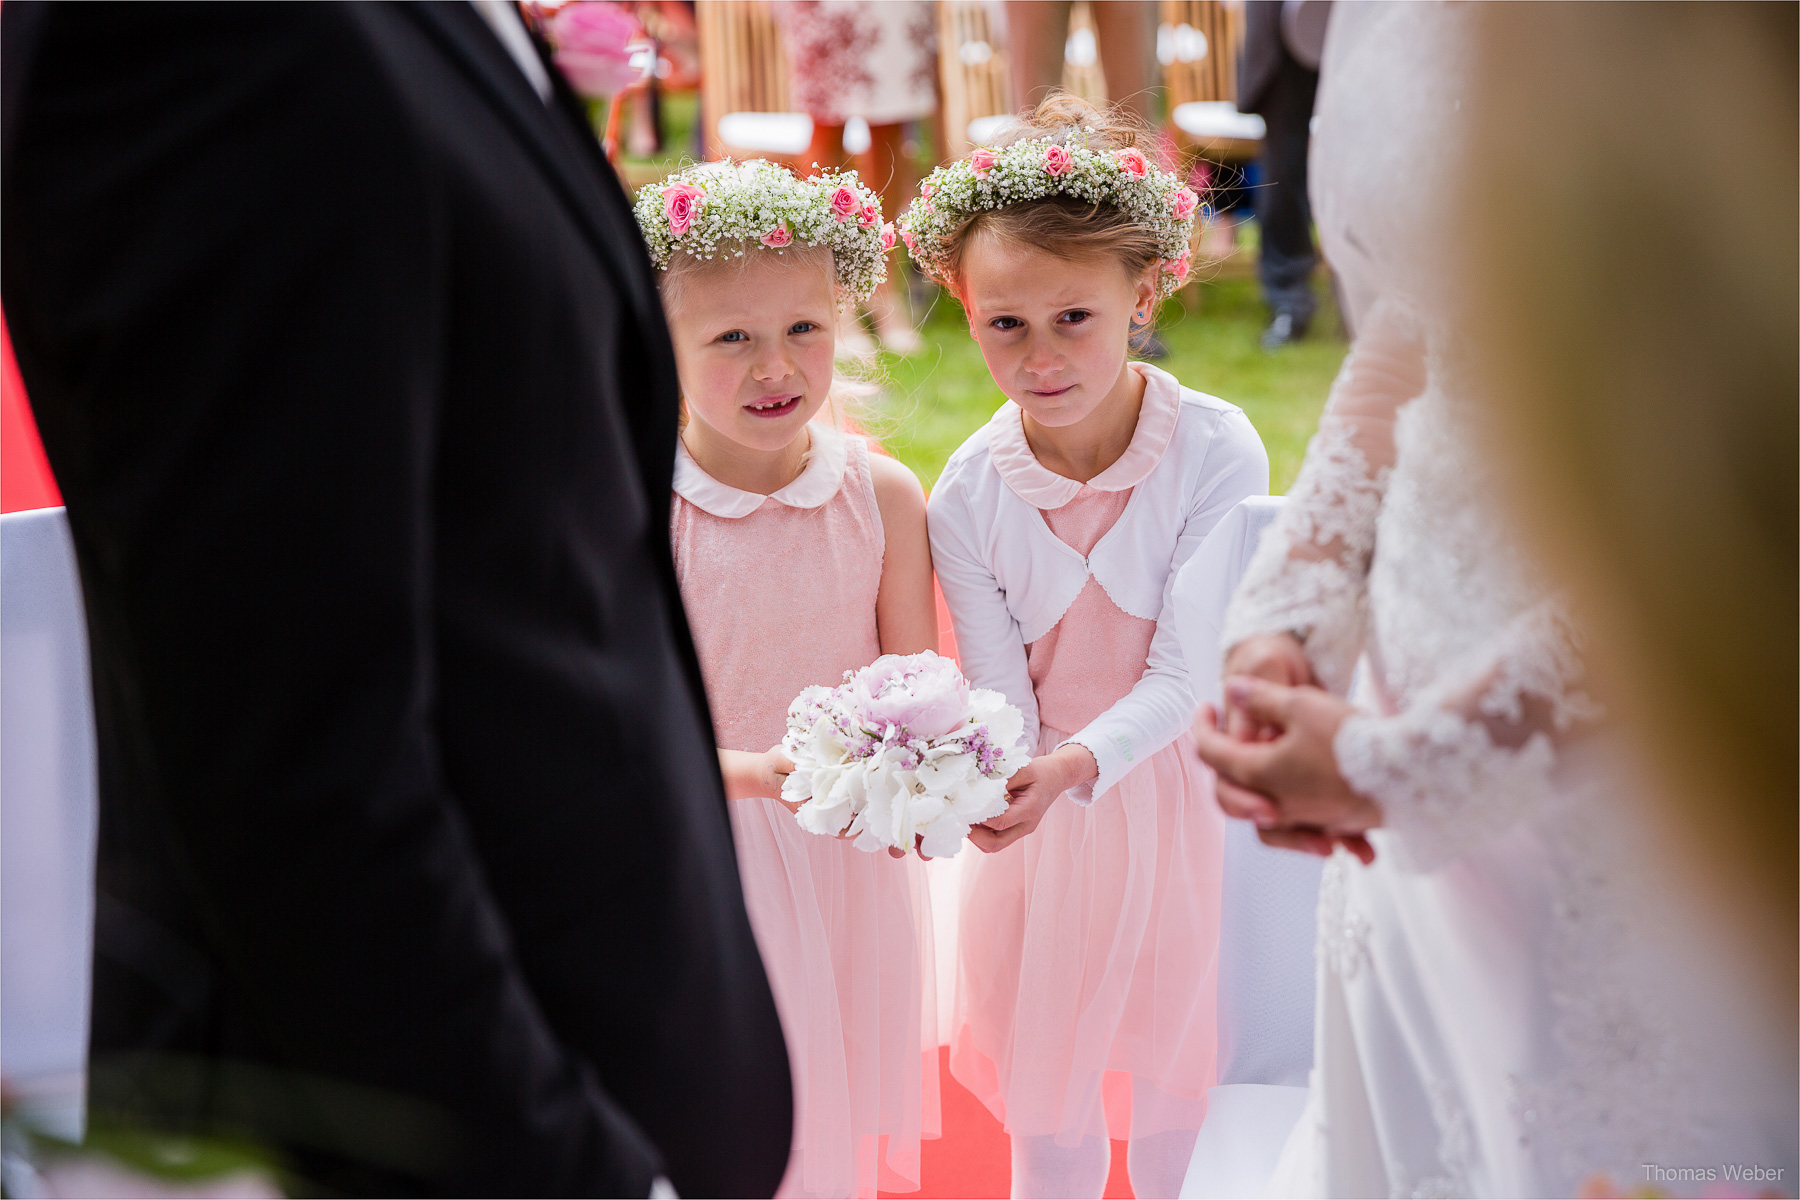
<point x="971" y="1161"/>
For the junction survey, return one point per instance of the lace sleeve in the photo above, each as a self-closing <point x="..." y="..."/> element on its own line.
<point x="1309" y="576"/>
<point x="1474" y="756"/>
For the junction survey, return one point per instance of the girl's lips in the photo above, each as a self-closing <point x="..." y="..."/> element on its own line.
<point x="1048" y="394"/>
<point x="773" y="407"/>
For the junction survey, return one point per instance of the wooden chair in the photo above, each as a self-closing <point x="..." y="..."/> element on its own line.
<point x="972" y="72"/>
<point x="743" y="73"/>
<point x="1198" y="45"/>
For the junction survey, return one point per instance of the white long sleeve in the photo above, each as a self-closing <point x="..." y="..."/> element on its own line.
<point x="1160" y="707"/>
<point x="1008" y="580"/>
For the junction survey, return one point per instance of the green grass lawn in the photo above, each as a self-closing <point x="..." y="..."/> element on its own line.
<point x="933" y="400"/>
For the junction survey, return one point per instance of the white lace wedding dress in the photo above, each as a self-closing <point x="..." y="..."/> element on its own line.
<point x="1508" y="1005"/>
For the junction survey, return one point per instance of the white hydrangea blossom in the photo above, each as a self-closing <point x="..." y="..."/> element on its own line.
<point x="1039" y="168"/>
<point x="864" y="770"/>
<point x="726" y="208"/>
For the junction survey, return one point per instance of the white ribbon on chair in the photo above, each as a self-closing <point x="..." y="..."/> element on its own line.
<point x="1268" y="919"/>
<point x="48" y="822"/>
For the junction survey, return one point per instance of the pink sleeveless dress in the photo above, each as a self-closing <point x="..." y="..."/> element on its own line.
<point x="780" y="591"/>
<point x="1087" y="989"/>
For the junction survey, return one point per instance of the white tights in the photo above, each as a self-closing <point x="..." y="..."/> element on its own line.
<point x="1158" y="1162"/>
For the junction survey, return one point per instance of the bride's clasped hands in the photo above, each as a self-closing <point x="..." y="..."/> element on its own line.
<point x="1272" y="749"/>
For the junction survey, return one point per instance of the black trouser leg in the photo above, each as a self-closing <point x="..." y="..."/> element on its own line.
<point x="1282" y="210"/>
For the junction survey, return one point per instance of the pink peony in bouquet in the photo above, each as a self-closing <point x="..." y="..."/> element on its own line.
<point x="903" y="749"/>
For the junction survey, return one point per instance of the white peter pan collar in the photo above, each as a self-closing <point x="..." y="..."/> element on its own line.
<point x="1041" y="487"/>
<point x="817" y="482"/>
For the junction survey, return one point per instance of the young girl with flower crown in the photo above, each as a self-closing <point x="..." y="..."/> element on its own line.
<point x="801" y="555"/>
<point x="1086" y="994"/>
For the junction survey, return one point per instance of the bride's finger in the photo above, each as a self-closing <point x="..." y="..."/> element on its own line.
<point x="1246" y="805"/>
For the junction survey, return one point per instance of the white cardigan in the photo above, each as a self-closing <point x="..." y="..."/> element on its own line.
<point x="1008" y="579"/>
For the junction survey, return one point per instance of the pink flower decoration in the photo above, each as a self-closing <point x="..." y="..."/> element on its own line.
<point x="844" y="203"/>
<point x="1178" y="267"/>
<point x="871" y="215"/>
<point x="1056" y="160"/>
<point x="1132" y="162"/>
<point x="909" y="237"/>
<point x="981" y="162"/>
<point x="681" y="204"/>
<point x="600" y="47"/>
<point x="778" y="237"/>
<point x="1185" y="203"/>
<point x="887" y="237"/>
<point x="925" y="192"/>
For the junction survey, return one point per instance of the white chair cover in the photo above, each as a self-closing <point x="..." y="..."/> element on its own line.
<point x="1268" y="919"/>
<point x="48" y="821"/>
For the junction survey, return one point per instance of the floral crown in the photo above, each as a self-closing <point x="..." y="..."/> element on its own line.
<point x="721" y="207"/>
<point x="1036" y="169"/>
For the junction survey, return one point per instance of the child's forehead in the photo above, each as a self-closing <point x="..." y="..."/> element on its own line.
<point x="755" y="279"/>
<point x="1000" y="270"/>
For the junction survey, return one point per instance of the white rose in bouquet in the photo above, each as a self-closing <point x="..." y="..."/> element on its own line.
<point x="902" y="750"/>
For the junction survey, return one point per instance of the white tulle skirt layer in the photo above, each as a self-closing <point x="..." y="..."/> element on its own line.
<point x="1086" y="1001"/>
<point x="846" y="939"/>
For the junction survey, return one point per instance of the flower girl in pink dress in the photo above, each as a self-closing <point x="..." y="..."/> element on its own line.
<point x="1086" y="996"/>
<point x="801" y="555"/>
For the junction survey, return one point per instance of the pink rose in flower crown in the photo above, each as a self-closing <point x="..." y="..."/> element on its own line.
<point x="1057" y="160"/>
<point x="870" y="216"/>
<point x="981" y="162"/>
<point x="887" y="237"/>
<point x="910" y="238"/>
<point x="778" y="237"/>
<point x="920" y="693"/>
<point x="844" y="203"/>
<point x="1178" y="267"/>
<point x="681" y="204"/>
<point x="1184" y="202"/>
<point x="1132" y="162"/>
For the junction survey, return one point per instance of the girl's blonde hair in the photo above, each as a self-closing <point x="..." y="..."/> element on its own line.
<point x="1064" y="225"/>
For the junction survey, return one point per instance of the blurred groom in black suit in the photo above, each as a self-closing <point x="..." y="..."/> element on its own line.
<point x="414" y="861"/>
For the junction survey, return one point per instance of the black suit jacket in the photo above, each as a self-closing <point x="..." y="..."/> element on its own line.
<point x="414" y="860"/>
<point x="1263" y="52"/>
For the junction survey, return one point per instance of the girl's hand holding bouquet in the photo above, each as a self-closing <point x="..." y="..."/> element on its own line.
<point x="903" y="753"/>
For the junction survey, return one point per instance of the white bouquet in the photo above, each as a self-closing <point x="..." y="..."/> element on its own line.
<point x="902" y="749"/>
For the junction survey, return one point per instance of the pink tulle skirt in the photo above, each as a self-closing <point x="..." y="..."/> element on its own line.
<point x="846" y="939"/>
<point x="1089" y="953"/>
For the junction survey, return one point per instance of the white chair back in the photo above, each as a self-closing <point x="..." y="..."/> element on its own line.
<point x="1268" y="919"/>
<point x="48" y="822"/>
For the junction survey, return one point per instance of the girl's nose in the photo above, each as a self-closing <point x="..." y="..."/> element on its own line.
<point x="1041" y="358"/>
<point x="775" y="364"/>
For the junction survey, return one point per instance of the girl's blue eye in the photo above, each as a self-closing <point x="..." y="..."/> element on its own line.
<point x="802" y="327"/>
<point x="736" y="335"/>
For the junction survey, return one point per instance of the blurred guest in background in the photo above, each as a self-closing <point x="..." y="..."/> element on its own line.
<point x="1037" y="34"/>
<point x="414" y="861"/>
<point x="875" y="60"/>
<point x="1278" y="76"/>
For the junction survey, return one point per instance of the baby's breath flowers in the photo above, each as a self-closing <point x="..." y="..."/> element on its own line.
<point x="725" y="208"/>
<point x="1039" y="168"/>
